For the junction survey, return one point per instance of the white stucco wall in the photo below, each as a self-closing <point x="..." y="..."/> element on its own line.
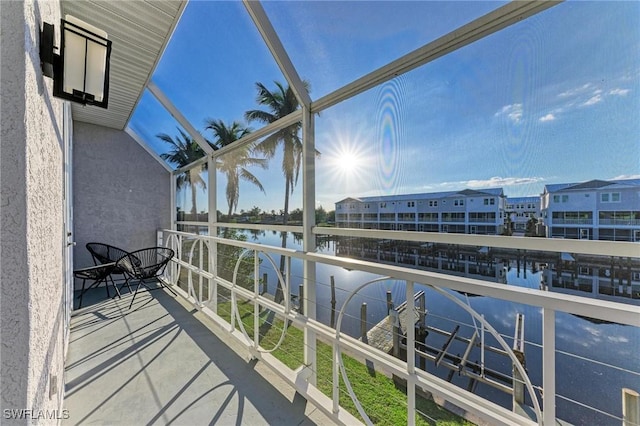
<point x="31" y="232"/>
<point x="121" y="195"/>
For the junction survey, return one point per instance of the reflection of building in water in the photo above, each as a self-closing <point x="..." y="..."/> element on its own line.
<point x="601" y="277"/>
<point x="612" y="278"/>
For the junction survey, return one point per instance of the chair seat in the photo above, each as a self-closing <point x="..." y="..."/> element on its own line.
<point x="94" y="272"/>
<point x="97" y="274"/>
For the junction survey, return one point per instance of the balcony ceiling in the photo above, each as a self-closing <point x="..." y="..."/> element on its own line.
<point x="140" y="31"/>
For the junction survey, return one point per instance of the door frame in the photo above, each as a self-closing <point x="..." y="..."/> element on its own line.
<point x="67" y="240"/>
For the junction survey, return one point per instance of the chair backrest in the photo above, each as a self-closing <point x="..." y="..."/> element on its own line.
<point x="145" y="263"/>
<point x="104" y="253"/>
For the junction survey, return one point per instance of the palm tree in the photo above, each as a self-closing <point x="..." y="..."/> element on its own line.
<point x="280" y="103"/>
<point x="185" y="150"/>
<point x="234" y="165"/>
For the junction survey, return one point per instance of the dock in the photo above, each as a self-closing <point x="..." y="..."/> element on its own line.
<point x="382" y="334"/>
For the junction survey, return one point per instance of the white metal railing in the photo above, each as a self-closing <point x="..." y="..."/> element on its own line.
<point x="622" y="222"/>
<point x="555" y="221"/>
<point x="204" y="283"/>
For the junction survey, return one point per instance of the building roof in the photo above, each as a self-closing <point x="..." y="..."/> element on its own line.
<point x="429" y="195"/>
<point x="592" y="184"/>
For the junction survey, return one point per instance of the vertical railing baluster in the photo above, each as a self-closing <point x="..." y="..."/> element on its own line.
<point x="411" y="356"/>
<point x="549" y="366"/>
<point x="256" y="304"/>
<point x="201" y="267"/>
<point x="336" y="381"/>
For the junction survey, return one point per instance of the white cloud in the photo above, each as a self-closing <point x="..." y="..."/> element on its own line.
<point x="576" y="91"/>
<point x="548" y="117"/>
<point x="619" y="92"/>
<point x="501" y="181"/>
<point x="593" y="100"/>
<point x="513" y="112"/>
<point x="494" y="182"/>
<point x="625" y="177"/>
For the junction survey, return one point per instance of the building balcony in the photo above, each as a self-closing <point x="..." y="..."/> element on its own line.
<point x="164" y="362"/>
<point x="572" y="222"/>
<point x="184" y="358"/>
<point x="619" y="222"/>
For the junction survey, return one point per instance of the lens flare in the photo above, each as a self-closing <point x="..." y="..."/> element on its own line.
<point x="389" y="133"/>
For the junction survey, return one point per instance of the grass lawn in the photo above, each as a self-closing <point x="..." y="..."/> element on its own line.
<point x="382" y="399"/>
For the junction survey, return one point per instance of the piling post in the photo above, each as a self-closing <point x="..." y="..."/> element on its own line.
<point x="301" y="299"/>
<point x="363" y="321"/>
<point x="265" y="281"/>
<point x="395" y="321"/>
<point x="518" y="349"/>
<point x="389" y="302"/>
<point x="630" y="407"/>
<point x="422" y="328"/>
<point x="333" y="301"/>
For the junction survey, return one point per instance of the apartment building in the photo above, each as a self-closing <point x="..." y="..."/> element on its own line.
<point x="466" y="212"/>
<point x="520" y="210"/>
<point x="593" y="210"/>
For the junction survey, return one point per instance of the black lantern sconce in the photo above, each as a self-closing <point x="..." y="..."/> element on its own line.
<point x="81" y="71"/>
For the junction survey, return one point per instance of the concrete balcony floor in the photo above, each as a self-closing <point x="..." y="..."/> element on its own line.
<point x="162" y="363"/>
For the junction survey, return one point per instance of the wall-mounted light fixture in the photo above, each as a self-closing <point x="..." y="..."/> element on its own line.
<point x="81" y="71"/>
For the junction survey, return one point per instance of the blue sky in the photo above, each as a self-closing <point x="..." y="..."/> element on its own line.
<point x="553" y="99"/>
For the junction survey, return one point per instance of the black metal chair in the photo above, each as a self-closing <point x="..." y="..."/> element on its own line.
<point x="107" y="254"/>
<point x="145" y="264"/>
<point x="97" y="274"/>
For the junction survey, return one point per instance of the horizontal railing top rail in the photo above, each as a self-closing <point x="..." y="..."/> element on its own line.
<point x="594" y="308"/>
<point x="556" y="245"/>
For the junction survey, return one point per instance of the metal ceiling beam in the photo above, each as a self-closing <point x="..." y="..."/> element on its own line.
<point x="274" y="44"/>
<point x="175" y="112"/>
<point x="286" y="121"/>
<point x="488" y="24"/>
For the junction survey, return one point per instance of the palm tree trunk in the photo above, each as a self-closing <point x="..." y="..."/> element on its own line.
<point x="279" y="296"/>
<point x="194" y="209"/>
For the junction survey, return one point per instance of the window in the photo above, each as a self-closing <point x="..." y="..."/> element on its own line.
<point x="556" y="198"/>
<point x="565" y="198"/>
<point x="383" y="205"/>
<point x="433" y="203"/>
<point x="458" y="202"/>
<point x="610" y="197"/>
<point x="411" y="203"/>
<point x="489" y="201"/>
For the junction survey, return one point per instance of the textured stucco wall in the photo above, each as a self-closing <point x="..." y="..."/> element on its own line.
<point x="121" y="195"/>
<point x="31" y="232"/>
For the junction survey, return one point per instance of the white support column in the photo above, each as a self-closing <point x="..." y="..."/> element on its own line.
<point x="257" y="13"/>
<point x="174" y="203"/>
<point x="549" y="365"/>
<point x="308" y="237"/>
<point x="213" y="231"/>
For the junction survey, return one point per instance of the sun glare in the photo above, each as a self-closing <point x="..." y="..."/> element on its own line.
<point x="347" y="162"/>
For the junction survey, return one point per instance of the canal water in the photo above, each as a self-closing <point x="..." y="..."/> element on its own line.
<point x="594" y="360"/>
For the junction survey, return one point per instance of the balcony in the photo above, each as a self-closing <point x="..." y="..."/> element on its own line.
<point x="115" y="351"/>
